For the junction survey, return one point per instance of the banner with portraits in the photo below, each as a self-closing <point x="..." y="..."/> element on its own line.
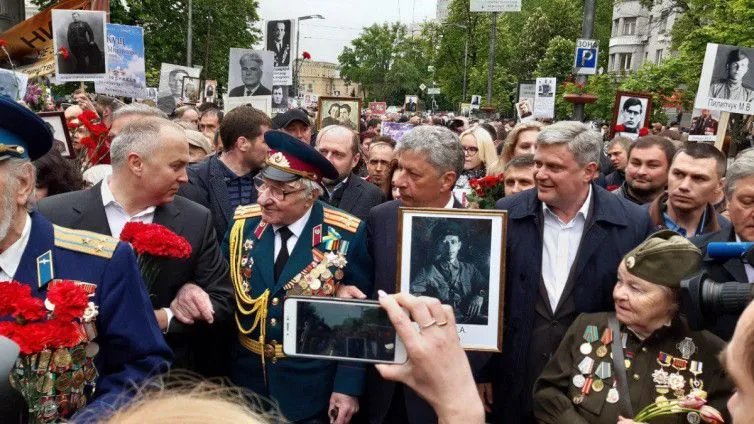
<point x="280" y="40"/>
<point x="171" y="79"/>
<point x="544" y="98"/>
<point x="79" y="45"/>
<point x="726" y="83"/>
<point x="126" y="75"/>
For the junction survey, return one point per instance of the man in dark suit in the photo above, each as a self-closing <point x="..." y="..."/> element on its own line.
<point x="349" y="192"/>
<point x="191" y="296"/>
<point x="430" y="159"/>
<point x="739" y="189"/>
<point x="251" y="75"/>
<point x="279" y="42"/>
<point x="225" y="181"/>
<point x="565" y="240"/>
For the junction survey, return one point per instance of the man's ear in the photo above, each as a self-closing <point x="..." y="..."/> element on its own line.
<point x="448" y="180"/>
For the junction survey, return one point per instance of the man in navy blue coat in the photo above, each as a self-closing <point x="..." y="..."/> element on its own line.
<point x="565" y="240"/>
<point x="128" y="346"/>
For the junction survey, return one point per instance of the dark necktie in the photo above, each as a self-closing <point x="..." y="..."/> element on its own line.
<point x="282" y="258"/>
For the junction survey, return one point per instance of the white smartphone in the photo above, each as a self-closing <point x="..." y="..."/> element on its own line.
<point x="340" y="329"/>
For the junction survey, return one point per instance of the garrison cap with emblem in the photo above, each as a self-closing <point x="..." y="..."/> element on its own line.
<point x="290" y="158"/>
<point x="664" y="258"/>
<point x="23" y="134"/>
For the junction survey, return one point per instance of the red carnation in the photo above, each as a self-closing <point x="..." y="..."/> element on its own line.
<point x="69" y="298"/>
<point x="620" y="128"/>
<point x="306" y="55"/>
<point x="612" y="187"/>
<point x="3" y="43"/>
<point x="29" y="309"/>
<point x="72" y="125"/>
<point x="643" y="131"/>
<point x="92" y="122"/>
<point x="10" y="292"/>
<point x="64" y="52"/>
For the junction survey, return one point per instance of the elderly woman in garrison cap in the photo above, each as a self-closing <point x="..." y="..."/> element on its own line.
<point x="645" y="339"/>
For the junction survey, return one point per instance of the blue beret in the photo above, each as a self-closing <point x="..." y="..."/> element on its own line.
<point x="23" y="134"/>
<point x="291" y="158"/>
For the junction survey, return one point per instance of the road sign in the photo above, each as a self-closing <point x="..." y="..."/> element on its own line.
<point x="585" y="60"/>
<point x="495" y="6"/>
<point x="433" y="90"/>
<point x="423" y="87"/>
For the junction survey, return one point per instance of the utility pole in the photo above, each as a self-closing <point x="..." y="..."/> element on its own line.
<point x="189" y="35"/>
<point x="586" y="32"/>
<point x="491" y="71"/>
<point x="465" y="61"/>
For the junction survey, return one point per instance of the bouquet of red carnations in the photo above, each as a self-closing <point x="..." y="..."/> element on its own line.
<point x="153" y="241"/>
<point x="486" y="191"/>
<point x="55" y="370"/>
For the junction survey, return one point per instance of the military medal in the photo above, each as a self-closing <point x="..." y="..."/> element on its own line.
<point x="586" y="365"/>
<point x="590" y="335"/>
<point x="61" y="359"/>
<point x="604" y="370"/>
<point x="598" y="385"/>
<point x="612" y="395"/>
<point x="578" y="400"/>
<point x="578" y="380"/>
<point x="606" y="339"/>
<point x="693" y="418"/>
<point x="686" y="347"/>
<point x="587" y="386"/>
<point x="629" y="357"/>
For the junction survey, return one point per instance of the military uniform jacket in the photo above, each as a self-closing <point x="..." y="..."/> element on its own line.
<point x="331" y="250"/>
<point x="558" y="400"/>
<point x="131" y="347"/>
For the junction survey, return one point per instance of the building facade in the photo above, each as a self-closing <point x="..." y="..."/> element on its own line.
<point x="640" y="35"/>
<point x="323" y="79"/>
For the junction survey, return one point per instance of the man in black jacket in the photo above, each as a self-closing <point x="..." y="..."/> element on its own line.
<point x="190" y="296"/>
<point x="225" y="181"/>
<point x="340" y="145"/>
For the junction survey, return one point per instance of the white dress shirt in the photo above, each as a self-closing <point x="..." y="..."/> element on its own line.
<point x="10" y="259"/>
<point x="561" y="243"/>
<point x="117" y="217"/>
<point x="296" y="228"/>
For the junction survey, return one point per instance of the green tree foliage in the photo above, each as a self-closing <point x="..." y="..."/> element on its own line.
<point x="557" y="60"/>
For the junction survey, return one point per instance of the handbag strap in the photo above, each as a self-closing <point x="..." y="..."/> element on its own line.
<point x="624" y="400"/>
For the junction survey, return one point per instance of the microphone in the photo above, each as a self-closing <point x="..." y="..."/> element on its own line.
<point x="9" y="351"/>
<point x="728" y="250"/>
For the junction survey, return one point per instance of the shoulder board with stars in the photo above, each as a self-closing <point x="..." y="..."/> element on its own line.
<point x="248" y="211"/>
<point x="85" y="242"/>
<point x="342" y="220"/>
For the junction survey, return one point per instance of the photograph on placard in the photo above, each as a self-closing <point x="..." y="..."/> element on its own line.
<point x="378" y="108"/>
<point x="250" y="72"/>
<point x="126" y="75"/>
<point x="726" y="83"/>
<point x="524" y="110"/>
<point x="476" y="101"/>
<point x="411" y="103"/>
<point x="457" y="256"/>
<point x="62" y="141"/>
<point x="279" y="41"/>
<point x="544" y="98"/>
<point x="171" y="79"/>
<point x="263" y="103"/>
<point x="339" y="111"/>
<point x="79" y="44"/>
<point x="704" y="125"/>
<point x="190" y="92"/>
<point x="465" y="109"/>
<point x="631" y="113"/>
<point x="13" y="84"/>
<point x="280" y="100"/>
<point x="209" y="93"/>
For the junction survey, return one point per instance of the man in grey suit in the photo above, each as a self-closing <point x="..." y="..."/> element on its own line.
<point x="340" y="145"/>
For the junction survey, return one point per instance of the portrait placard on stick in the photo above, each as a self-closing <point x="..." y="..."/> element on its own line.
<point x="250" y="73"/>
<point x="339" y="111"/>
<point x="171" y="79"/>
<point x="280" y="40"/>
<point x="726" y="83"/>
<point x="544" y="98"/>
<point x="631" y="113"/>
<point x="79" y="44"/>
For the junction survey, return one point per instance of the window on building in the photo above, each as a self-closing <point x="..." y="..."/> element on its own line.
<point x="646" y="57"/>
<point x="662" y="25"/>
<point x="616" y="25"/>
<point x="658" y="55"/>
<point x="629" y="26"/>
<point x="624" y="61"/>
<point x="309" y="88"/>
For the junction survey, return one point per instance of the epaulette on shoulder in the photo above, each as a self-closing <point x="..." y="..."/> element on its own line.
<point x="248" y="211"/>
<point x="341" y="219"/>
<point x="85" y="242"/>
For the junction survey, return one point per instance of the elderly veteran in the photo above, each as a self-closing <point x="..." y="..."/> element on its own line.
<point x="646" y="338"/>
<point x="290" y="243"/>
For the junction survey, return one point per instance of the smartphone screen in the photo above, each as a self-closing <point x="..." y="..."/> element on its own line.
<point x="337" y="329"/>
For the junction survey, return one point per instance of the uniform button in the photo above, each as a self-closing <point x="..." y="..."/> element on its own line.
<point x="273" y="322"/>
<point x="636" y="377"/>
<point x="644" y="349"/>
<point x="275" y="301"/>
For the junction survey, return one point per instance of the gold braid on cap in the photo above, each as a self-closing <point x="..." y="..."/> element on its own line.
<point x="13" y="148"/>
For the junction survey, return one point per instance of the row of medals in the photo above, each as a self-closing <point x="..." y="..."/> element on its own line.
<point x="592" y="379"/>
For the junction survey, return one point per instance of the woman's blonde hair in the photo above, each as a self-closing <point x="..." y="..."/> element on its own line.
<point x="484" y="143"/>
<point x="191" y="400"/>
<point x="510" y="145"/>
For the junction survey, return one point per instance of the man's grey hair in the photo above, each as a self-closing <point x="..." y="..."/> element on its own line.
<point x="141" y="136"/>
<point x="741" y="168"/>
<point x="139" y="109"/>
<point x="254" y="57"/>
<point x="440" y="145"/>
<point x="583" y="142"/>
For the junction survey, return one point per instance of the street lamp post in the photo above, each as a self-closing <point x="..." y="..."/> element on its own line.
<point x="298" y="48"/>
<point x="465" y="55"/>
<point x="189" y="34"/>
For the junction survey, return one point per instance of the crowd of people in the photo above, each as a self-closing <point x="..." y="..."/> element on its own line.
<point x="600" y="234"/>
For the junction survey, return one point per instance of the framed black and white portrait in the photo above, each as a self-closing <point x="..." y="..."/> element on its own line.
<point x="726" y="83"/>
<point x="524" y="110"/>
<point x="249" y="73"/>
<point x="61" y="136"/>
<point x="279" y="41"/>
<point x="209" y="92"/>
<point x="339" y="111"/>
<point x="631" y="113"/>
<point x="280" y="101"/>
<point x="458" y="257"/>
<point x="411" y="104"/>
<point x="191" y="90"/>
<point x="171" y="79"/>
<point x="79" y="42"/>
<point x="13" y="84"/>
<point x="476" y="101"/>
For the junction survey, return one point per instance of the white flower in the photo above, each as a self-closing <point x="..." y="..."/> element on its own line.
<point x="91" y="312"/>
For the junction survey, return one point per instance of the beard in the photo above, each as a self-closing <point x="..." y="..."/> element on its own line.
<point x="7" y="207"/>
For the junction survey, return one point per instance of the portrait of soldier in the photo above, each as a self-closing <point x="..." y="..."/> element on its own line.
<point x="279" y="42"/>
<point x="632" y="115"/>
<point x="80" y="37"/>
<point x="175" y="82"/>
<point x="251" y="75"/>
<point x="279" y="98"/>
<point x="452" y="281"/>
<point x="333" y="116"/>
<point x="732" y="87"/>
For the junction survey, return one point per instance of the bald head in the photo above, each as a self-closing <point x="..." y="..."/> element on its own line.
<point x="340" y="145"/>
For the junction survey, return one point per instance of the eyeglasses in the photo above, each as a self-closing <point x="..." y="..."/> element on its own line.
<point x="276" y="192"/>
<point x="471" y="151"/>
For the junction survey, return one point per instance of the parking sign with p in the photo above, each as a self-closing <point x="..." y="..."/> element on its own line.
<point x="586" y="57"/>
